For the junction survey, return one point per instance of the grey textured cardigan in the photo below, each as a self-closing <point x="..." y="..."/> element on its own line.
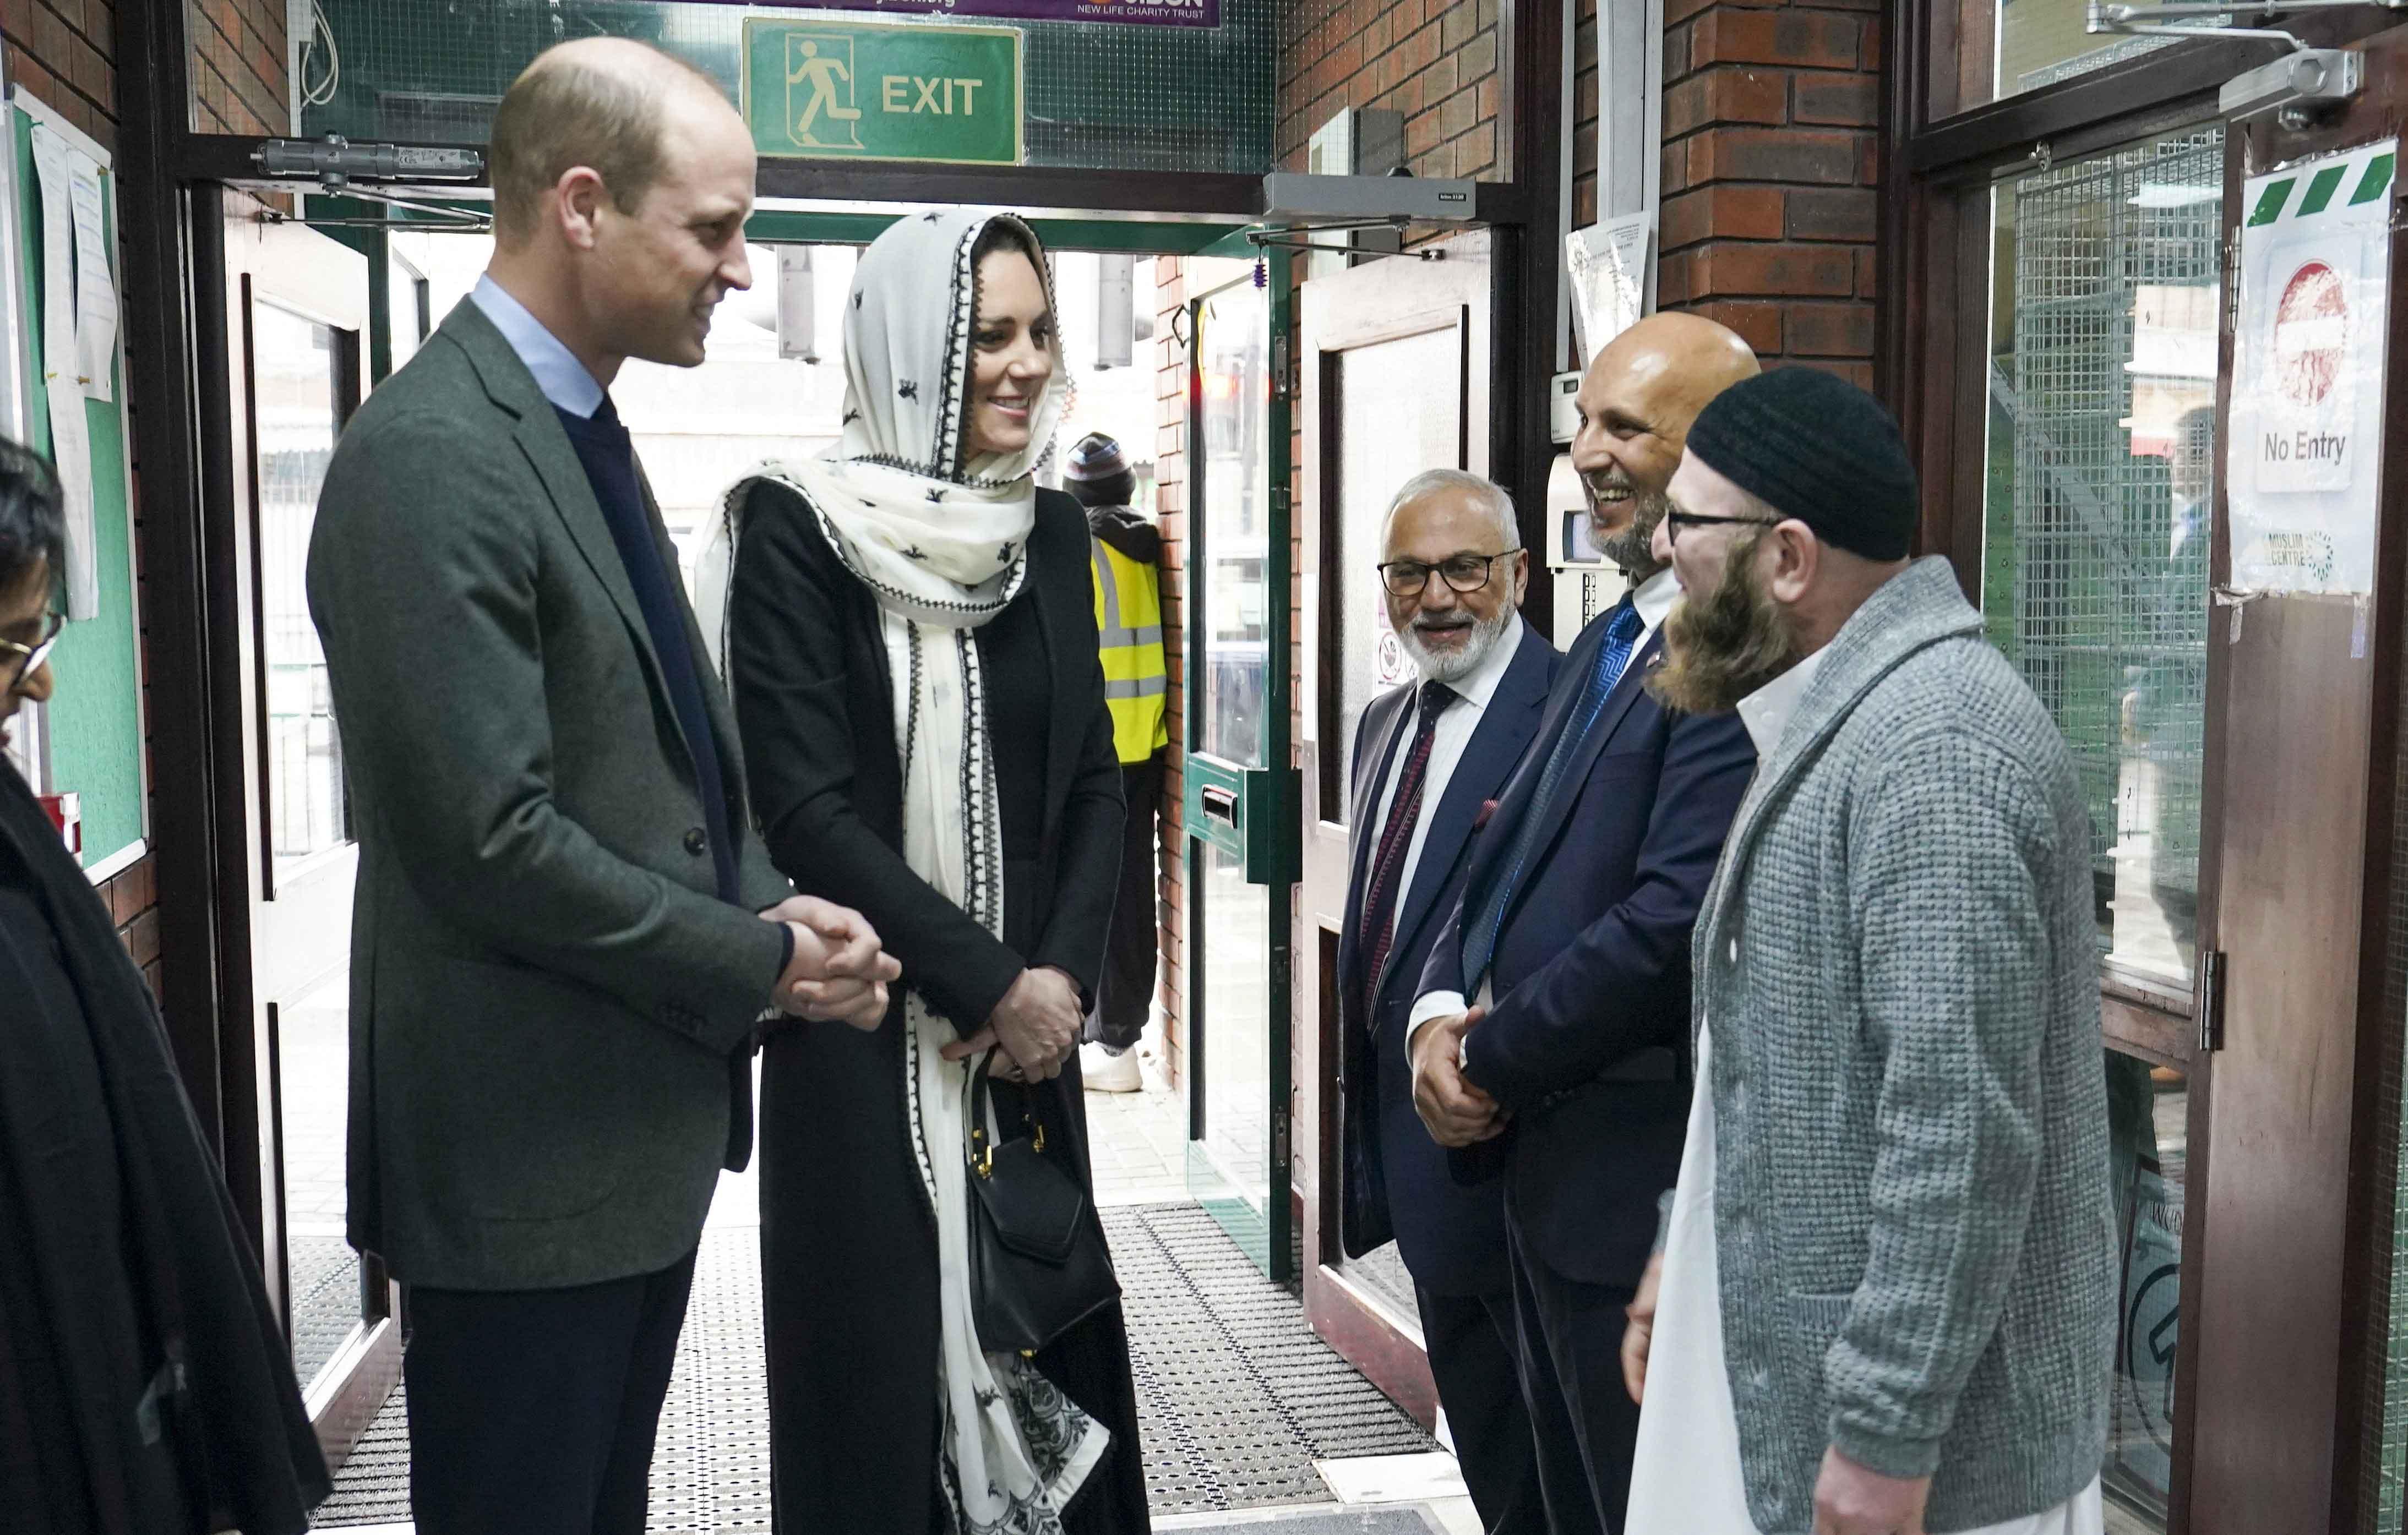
<point x="1915" y="1234"/>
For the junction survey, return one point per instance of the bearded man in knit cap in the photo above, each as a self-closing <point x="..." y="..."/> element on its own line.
<point x="1887" y="1296"/>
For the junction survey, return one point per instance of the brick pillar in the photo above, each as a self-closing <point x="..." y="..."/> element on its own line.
<point x="1171" y="502"/>
<point x="1769" y="164"/>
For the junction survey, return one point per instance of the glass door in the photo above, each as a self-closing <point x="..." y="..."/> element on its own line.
<point x="1240" y="787"/>
<point x="299" y="329"/>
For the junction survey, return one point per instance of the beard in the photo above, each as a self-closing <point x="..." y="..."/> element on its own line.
<point x="1633" y="549"/>
<point x="1454" y="666"/>
<point x="1723" y="645"/>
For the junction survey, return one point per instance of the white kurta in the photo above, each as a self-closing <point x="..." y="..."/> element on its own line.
<point x="1687" y="1478"/>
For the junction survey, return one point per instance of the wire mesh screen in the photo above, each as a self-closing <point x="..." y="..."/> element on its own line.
<point x="1098" y="97"/>
<point x="2102" y="457"/>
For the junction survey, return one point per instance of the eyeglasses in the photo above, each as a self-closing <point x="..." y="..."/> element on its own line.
<point x="1676" y="520"/>
<point x="30" y="657"/>
<point x="1462" y="572"/>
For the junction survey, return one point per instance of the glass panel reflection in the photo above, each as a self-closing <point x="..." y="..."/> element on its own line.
<point x="2029" y="45"/>
<point x="1236" y="449"/>
<point x="292" y="374"/>
<point x="2100" y="485"/>
<point x="1401" y="405"/>
<point x="2148" y="1111"/>
<point x="1236" y="1131"/>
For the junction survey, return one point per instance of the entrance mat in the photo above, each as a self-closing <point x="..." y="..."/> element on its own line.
<point x="1237" y="1398"/>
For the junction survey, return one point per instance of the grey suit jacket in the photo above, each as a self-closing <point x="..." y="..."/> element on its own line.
<point x="552" y="1010"/>
<point x="1910" y="1195"/>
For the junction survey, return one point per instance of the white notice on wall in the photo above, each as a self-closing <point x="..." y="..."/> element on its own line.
<point x="1608" y="262"/>
<point x="2304" y="451"/>
<point x="70" y="434"/>
<point x="96" y="314"/>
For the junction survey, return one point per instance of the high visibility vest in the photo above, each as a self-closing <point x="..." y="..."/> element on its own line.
<point x="1137" y="681"/>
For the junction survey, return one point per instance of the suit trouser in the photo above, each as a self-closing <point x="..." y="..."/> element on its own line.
<point x="1577" y="1329"/>
<point x="1475" y="1356"/>
<point x="533" y="1412"/>
<point x="1124" y="993"/>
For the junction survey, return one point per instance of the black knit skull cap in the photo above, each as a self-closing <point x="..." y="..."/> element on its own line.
<point x="1815" y="447"/>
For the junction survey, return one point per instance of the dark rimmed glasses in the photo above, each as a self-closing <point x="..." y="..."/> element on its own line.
<point x="29" y="657"/>
<point x="1674" y="520"/>
<point x="1464" y="573"/>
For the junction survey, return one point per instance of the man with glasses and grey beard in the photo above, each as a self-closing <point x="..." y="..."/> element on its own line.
<point x="1887" y="1289"/>
<point x="1428" y="757"/>
<point x="1551" y="1029"/>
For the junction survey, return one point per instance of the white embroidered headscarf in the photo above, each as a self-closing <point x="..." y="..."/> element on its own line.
<point x="940" y="536"/>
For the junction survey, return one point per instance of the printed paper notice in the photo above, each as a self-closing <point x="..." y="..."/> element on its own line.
<point x="96" y="312"/>
<point x="70" y="432"/>
<point x="2304" y="452"/>
<point x="1608" y="262"/>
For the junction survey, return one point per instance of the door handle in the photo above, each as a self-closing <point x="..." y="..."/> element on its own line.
<point x="1219" y="803"/>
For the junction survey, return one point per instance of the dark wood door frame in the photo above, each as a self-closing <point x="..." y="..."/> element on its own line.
<point x="1382" y="300"/>
<point x="2304" y="1419"/>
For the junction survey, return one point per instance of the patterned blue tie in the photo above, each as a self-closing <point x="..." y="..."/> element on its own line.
<point x="1613" y="659"/>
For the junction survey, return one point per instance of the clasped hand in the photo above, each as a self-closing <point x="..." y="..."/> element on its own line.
<point x="839" y="970"/>
<point x="1456" y="1113"/>
<point x="1036" y="1025"/>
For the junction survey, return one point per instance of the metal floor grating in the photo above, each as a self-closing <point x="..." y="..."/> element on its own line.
<point x="1236" y="1396"/>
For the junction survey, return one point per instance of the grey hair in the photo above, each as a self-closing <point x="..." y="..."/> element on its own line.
<point x="1495" y="502"/>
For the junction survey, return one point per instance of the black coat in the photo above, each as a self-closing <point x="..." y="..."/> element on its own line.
<point x="848" y="1251"/>
<point x="145" y="1386"/>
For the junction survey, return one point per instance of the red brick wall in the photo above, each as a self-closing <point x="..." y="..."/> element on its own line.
<point x="1770" y="163"/>
<point x="239" y="66"/>
<point x="1435" y="60"/>
<point x="61" y="51"/>
<point x="1170" y="500"/>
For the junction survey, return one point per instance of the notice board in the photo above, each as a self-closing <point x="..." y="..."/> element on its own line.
<point x="91" y="732"/>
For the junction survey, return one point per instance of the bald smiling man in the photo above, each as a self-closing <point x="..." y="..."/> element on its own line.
<point x="1551" y="1035"/>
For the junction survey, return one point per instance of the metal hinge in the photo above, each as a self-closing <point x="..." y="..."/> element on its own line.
<point x="2232" y="280"/>
<point x="1279" y="1137"/>
<point x="2211" y="1001"/>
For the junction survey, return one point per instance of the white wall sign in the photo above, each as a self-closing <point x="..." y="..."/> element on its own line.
<point x="2304" y="451"/>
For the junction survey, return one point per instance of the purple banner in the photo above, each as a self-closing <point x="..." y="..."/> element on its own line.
<point x="1154" y="13"/>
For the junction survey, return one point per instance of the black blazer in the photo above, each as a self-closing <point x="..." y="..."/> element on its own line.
<point x="1451" y="1235"/>
<point x="849" y="1255"/>
<point x="807" y="662"/>
<point x="1591" y="969"/>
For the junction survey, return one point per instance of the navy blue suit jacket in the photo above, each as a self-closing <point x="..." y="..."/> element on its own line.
<point x="1588" y="1042"/>
<point x="1397" y="1182"/>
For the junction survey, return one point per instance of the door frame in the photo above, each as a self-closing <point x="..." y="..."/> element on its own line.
<point x="327" y="282"/>
<point x="1383" y="300"/>
<point x="1939" y="161"/>
<point x="1265" y="797"/>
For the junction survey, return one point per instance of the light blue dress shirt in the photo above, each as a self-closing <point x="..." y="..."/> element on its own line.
<point x="557" y="372"/>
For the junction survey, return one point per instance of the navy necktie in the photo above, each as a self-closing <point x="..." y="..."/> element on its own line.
<point x="1387" y="862"/>
<point x="1612" y="660"/>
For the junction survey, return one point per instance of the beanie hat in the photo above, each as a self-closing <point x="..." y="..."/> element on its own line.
<point x="1817" y="449"/>
<point x="1096" y="457"/>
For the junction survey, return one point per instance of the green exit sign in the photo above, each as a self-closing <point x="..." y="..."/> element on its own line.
<point x="832" y="89"/>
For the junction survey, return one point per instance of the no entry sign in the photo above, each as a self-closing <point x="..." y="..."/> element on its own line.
<point x="2305" y="433"/>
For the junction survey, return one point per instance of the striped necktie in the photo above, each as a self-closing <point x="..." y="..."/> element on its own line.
<point x="1395" y="837"/>
<point x="1613" y="659"/>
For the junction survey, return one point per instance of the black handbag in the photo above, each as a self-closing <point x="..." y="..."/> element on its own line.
<point x="1039" y="1263"/>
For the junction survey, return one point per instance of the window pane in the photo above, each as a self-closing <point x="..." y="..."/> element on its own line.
<point x="2148" y="1111"/>
<point x="2101" y="474"/>
<point x="2008" y="46"/>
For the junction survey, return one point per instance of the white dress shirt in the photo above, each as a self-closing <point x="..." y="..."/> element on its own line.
<point x="563" y="378"/>
<point x="1687" y="1478"/>
<point x="1653" y="599"/>
<point x="1457" y="725"/>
